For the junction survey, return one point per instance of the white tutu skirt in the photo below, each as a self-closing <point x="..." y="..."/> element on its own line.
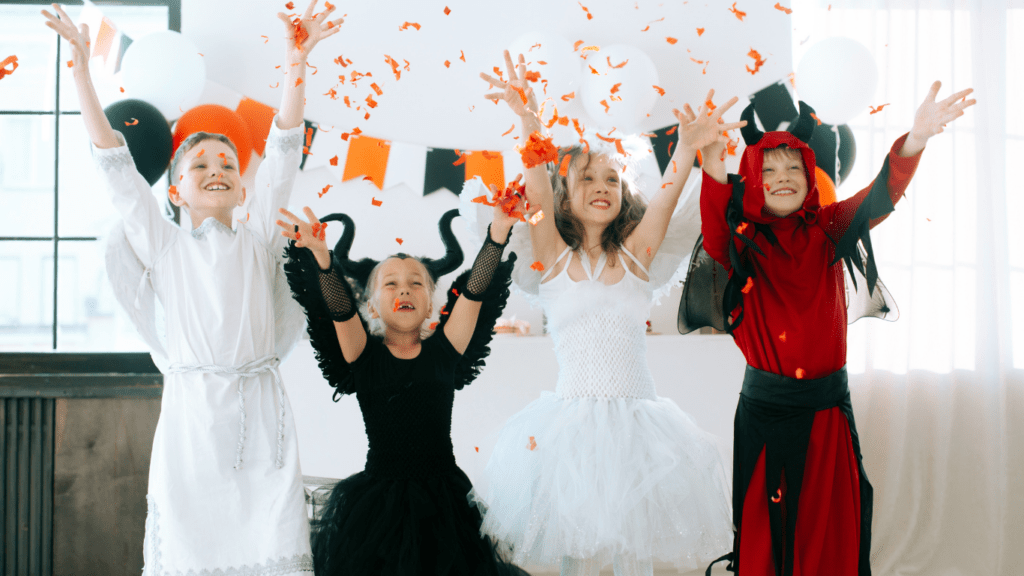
<point x="600" y="477"/>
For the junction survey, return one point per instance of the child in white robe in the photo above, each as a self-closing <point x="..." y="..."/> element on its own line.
<point x="225" y="488"/>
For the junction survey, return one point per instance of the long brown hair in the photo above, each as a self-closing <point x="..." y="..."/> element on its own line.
<point x="569" y="225"/>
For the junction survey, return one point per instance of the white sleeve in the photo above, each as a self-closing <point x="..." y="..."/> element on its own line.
<point x="274" y="181"/>
<point x="668" y="267"/>
<point x="145" y="226"/>
<point x="525" y="280"/>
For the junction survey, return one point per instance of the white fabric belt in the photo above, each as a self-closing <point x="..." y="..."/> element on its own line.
<point x="247" y="370"/>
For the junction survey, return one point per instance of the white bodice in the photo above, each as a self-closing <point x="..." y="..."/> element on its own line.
<point x="599" y="332"/>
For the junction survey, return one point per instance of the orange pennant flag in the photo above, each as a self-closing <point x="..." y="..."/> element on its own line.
<point x="367" y="157"/>
<point x="104" y="39"/>
<point x="489" y="166"/>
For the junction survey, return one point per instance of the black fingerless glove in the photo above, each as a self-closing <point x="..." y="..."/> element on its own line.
<point x="486" y="263"/>
<point x="337" y="294"/>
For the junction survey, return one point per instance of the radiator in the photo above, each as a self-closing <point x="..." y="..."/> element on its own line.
<point x="26" y="486"/>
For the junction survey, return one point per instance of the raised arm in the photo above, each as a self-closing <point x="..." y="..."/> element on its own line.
<point x="462" y="322"/>
<point x="695" y="131"/>
<point x="547" y="242"/>
<point x="334" y="289"/>
<point x="310" y="28"/>
<point x="901" y="163"/>
<point x="96" y="123"/>
<point x="715" y="194"/>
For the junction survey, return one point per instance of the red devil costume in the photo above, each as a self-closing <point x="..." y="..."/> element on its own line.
<point x="801" y="500"/>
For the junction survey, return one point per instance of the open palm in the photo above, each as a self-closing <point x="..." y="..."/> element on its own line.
<point x="516" y="92"/>
<point x="931" y="117"/>
<point x="313" y="30"/>
<point x="77" y="37"/>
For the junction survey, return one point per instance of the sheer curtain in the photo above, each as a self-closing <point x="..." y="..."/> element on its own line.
<point x="939" y="395"/>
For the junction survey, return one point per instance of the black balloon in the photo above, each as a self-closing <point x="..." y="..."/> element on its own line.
<point x="823" y="142"/>
<point x="147" y="134"/>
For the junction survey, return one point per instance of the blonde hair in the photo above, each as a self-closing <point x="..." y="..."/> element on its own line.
<point x="569" y="226"/>
<point x="376" y="325"/>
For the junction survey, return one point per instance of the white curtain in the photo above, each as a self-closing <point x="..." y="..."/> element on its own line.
<point x="939" y="395"/>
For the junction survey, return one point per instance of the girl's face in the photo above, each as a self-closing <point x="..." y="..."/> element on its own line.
<point x="785" y="181"/>
<point x="595" y="192"/>
<point x="208" y="178"/>
<point x="401" y="299"/>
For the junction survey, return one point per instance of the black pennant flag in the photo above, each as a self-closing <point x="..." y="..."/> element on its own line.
<point x="441" y="173"/>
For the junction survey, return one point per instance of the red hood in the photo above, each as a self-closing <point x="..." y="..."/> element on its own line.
<point x="750" y="169"/>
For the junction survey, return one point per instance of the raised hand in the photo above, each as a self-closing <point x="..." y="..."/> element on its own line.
<point x="310" y="29"/>
<point x="77" y="37"/>
<point x="931" y="117"/>
<point x="506" y="216"/>
<point x="306" y="235"/>
<point x="516" y="92"/>
<point x="705" y="129"/>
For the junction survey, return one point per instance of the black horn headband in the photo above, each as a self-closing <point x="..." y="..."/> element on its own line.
<point x="803" y="129"/>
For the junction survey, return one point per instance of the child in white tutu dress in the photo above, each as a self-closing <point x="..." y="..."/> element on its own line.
<point x="602" y="470"/>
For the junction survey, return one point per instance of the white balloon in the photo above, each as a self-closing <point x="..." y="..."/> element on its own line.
<point x="837" y="77"/>
<point x="562" y="68"/>
<point x="164" y="69"/>
<point x="635" y="94"/>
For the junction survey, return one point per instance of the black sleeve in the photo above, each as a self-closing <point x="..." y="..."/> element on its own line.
<point x="484" y="266"/>
<point x="303" y="275"/>
<point x="493" y="301"/>
<point x="337" y="293"/>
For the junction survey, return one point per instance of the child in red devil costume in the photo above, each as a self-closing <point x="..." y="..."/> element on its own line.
<point x="801" y="501"/>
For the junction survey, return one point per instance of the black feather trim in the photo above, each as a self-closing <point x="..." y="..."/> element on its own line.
<point x="494" y="300"/>
<point x="302" y="272"/>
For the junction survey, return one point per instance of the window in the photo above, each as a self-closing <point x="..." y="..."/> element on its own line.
<point x="54" y="294"/>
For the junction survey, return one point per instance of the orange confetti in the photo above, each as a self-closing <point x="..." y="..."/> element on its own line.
<point x="615" y="88"/>
<point x="370" y="101"/>
<point x="375" y="202"/>
<point x="172" y="189"/>
<point x="399" y="240"/>
<point x="71" y="63"/>
<point x="739" y="13"/>
<point x="758" y="61"/>
<point x="298" y="81"/>
<point x="477" y="448"/>
<point x="334" y="161"/>
<point x="134" y="122"/>
<point x="800" y="373"/>
<point x="782" y="337"/>
<point x="533" y="444"/>
<point x="509" y="131"/>
<point x="645" y="28"/>
<point x="605" y="104"/>
<point x="563" y="168"/>
<point x="815" y="116"/>
<point x="348" y="102"/>
<point x="462" y="55"/>
<point x="395" y="309"/>
<point x="290" y="6"/>
<point x="324" y="191"/>
<point x="447" y="10"/>
<point x="463" y="156"/>
<point x="394" y="66"/>
<point x="201" y="151"/>
<point x="538" y="150"/>
<point x="299" y="34"/>
<point x="576" y="45"/>
<point x="587" y="10"/>
<point x="585" y="49"/>
<point x="667" y="184"/>
<point x="778" y="496"/>
<point x="265" y="39"/>
<point x="315" y="69"/>
<point x="569" y="96"/>
<point x="344" y="62"/>
<point x="671" y="40"/>
<point x="741" y="228"/>
<point x="376" y="89"/>
<point x="122" y="89"/>
<point x="782" y="8"/>
<point x="748" y="286"/>
<point x="332" y="93"/>
<point x="661" y="91"/>
<point x="610" y="65"/>
<point x="700" y="31"/>
<point x="876" y="110"/>
<point x="447" y="63"/>
<point x="537" y="217"/>
<point x="532" y="75"/>
<point x="673" y="166"/>
<point x="537" y="266"/>
<point x="433" y="326"/>
<point x="407" y="24"/>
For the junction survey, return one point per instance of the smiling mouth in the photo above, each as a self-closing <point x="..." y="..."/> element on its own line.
<point x="404" y="307"/>
<point x="784" y="192"/>
<point x="602" y="204"/>
<point x="216" y="186"/>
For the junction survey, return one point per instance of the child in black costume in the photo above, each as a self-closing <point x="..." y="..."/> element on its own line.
<point x="407" y="512"/>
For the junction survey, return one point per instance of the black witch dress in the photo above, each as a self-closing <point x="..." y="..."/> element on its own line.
<point x="407" y="512"/>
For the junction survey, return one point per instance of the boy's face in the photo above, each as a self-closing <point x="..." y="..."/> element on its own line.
<point x="208" y="178"/>
<point x="595" y="193"/>
<point x="401" y="294"/>
<point x="785" y="181"/>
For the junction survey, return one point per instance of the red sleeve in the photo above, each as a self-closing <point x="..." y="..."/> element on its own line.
<point x="837" y="216"/>
<point x="714" y="200"/>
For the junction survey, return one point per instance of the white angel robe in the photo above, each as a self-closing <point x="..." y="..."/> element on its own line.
<point x="225" y="488"/>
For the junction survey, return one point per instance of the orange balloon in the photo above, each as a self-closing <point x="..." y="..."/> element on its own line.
<point x="826" y="189"/>
<point x="216" y="120"/>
